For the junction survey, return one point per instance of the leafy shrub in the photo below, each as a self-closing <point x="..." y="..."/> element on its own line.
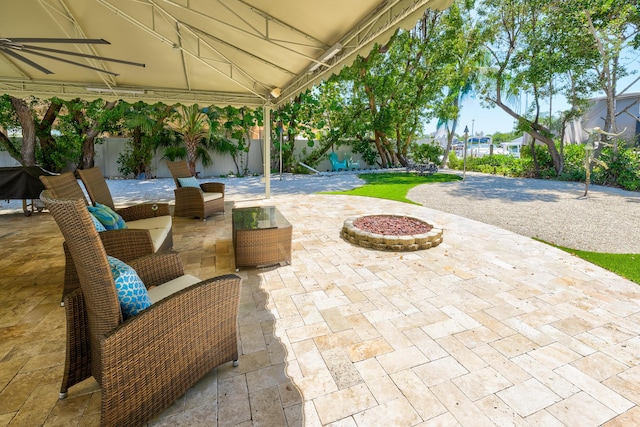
<point x="425" y="153"/>
<point x="499" y="164"/>
<point x="454" y="162"/>
<point x="622" y="170"/>
<point x="573" y="169"/>
<point x="134" y="161"/>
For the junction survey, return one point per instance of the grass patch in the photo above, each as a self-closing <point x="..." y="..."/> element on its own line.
<point x="393" y="185"/>
<point x="625" y="265"/>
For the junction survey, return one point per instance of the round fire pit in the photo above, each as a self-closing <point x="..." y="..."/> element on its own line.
<point x="391" y="232"/>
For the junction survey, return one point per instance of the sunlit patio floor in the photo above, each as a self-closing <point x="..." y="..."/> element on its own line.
<point x="489" y="328"/>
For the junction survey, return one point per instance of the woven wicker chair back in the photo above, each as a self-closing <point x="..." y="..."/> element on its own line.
<point x="96" y="186"/>
<point x="90" y="258"/>
<point x="179" y="169"/>
<point x="64" y="186"/>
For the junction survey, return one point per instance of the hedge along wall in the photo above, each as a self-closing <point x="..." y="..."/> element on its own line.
<point x="222" y="164"/>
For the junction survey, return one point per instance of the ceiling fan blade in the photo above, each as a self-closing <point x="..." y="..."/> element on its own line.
<point x="71" y="62"/>
<point x="25" y="60"/>
<point x="55" y="40"/>
<point x="28" y="48"/>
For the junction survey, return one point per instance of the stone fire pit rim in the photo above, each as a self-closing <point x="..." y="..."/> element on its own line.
<point x="413" y="242"/>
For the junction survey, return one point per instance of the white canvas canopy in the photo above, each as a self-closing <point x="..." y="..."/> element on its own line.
<point x="209" y="52"/>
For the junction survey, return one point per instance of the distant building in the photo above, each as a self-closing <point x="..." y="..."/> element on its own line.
<point x="627" y="109"/>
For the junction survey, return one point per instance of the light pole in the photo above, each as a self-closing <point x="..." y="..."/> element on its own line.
<point x="464" y="156"/>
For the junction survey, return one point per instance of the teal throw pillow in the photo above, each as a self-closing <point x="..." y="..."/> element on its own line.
<point x="97" y="223"/>
<point x="132" y="294"/>
<point x="107" y="216"/>
<point x="189" y="182"/>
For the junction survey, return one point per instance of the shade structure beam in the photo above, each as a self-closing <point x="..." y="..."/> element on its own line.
<point x="61" y="14"/>
<point x="197" y="33"/>
<point x="259" y="34"/>
<point x="386" y="18"/>
<point x="195" y="55"/>
<point x="251" y="31"/>
<point x="291" y="28"/>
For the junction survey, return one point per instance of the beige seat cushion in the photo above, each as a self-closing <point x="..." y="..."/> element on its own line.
<point x="158" y="227"/>
<point x="212" y="196"/>
<point x="171" y="287"/>
<point x="150" y="223"/>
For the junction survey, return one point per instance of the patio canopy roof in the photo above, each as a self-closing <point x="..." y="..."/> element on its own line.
<point x="221" y="52"/>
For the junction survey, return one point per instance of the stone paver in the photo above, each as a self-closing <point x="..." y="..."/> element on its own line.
<point x="487" y="328"/>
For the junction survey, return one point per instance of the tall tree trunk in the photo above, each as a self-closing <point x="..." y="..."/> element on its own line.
<point x="88" y="156"/>
<point x="28" y="150"/>
<point x="384" y="158"/>
<point x="379" y="136"/>
<point x="192" y="148"/>
<point x="47" y="141"/>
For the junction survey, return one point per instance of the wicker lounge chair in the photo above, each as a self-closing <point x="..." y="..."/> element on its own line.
<point x="199" y="202"/>
<point x="98" y="191"/>
<point x="154" y="217"/>
<point x="143" y="364"/>
<point x="130" y="243"/>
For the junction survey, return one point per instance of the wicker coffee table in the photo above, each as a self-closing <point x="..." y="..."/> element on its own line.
<point x="261" y="236"/>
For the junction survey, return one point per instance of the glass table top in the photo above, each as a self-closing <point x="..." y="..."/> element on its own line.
<point x="258" y="217"/>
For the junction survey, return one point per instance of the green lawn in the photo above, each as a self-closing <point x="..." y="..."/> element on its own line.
<point x="395" y="186"/>
<point x="625" y="265"/>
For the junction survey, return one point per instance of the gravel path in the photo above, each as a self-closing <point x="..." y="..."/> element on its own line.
<point x="607" y="220"/>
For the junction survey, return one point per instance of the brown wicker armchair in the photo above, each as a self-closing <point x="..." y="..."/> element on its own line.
<point x="143" y="364"/>
<point x="130" y="243"/>
<point x="195" y="202"/>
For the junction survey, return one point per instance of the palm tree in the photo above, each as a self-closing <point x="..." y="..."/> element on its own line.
<point x="193" y="125"/>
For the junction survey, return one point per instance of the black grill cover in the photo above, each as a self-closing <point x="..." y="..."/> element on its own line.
<point x="21" y="182"/>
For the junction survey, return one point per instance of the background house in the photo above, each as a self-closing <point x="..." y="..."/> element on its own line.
<point x="627" y="110"/>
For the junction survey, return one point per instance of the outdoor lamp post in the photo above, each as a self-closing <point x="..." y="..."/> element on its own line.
<point x="464" y="156"/>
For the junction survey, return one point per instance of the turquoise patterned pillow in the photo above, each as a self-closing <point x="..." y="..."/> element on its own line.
<point x="189" y="182"/>
<point x="107" y="216"/>
<point x="97" y="223"/>
<point x="132" y="293"/>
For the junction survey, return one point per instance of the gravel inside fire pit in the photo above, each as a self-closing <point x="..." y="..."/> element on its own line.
<point x="389" y="225"/>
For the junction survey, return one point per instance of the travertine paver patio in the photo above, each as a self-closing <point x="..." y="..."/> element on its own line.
<point x="489" y="328"/>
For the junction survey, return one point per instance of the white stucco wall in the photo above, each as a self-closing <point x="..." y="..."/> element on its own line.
<point x="107" y="156"/>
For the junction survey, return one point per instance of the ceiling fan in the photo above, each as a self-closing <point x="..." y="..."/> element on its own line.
<point x="11" y="47"/>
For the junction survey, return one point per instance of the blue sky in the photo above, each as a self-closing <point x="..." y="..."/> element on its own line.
<point x="489" y="121"/>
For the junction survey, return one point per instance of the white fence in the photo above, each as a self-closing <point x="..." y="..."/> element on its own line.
<point x="107" y="156"/>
